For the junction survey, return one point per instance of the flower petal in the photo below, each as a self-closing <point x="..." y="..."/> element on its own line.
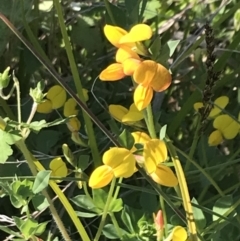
<point x="58" y="167"/>
<point x="57" y="95"/>
<point x="45" y="107"/>
<point x="130" y="65"/>
<point x="140" y="137"/>
<point x="163" y="175"/>
<point x="179" y="234"/>
<point x="112" y="73"/>
<point x="70" y="107"/>
<point x="74" y="124"/>
<point x="124" y="53"/>
<point x="142" y="97"/>
<point x="227" y="126"/>
<point x="101" y="177"/>
<point x="197" y="106"/>
<point x="137" y="33"/>
<point x="222" y="102"/>
<point x="117" y="112"/>
<point x="150" y="73"/>
<point x="114" y="34"/>
<point x="215" y="138"/>
<point x="133" y="115"/>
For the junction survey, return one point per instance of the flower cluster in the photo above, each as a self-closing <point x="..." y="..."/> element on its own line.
<point x="226" y="127"/>
<point x="148" y="75"/>
<point x="56" y="98"/>
<point x="121" y="162"/>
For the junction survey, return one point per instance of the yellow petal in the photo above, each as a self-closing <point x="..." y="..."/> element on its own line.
<point x="142" y="97"/>
<point x="58" y="167"/>
<point x="222" y="102"/>
<point x="130" y="65"/>
<point x="227" y="126"/>
<point x="70" y="107"/>
<point x="137" y="33"/>
<point x="197" y="106"/>
<point x="101" y="177"/>
<point x="179" y="234"/>
<point x="112" y="73"/>
<point x="133" y="115"/>
<point x="215" y="138"/>
<point x="163" y="175"/>
<point x="45" y="107"/>
<point x="150" y="73"/>
<point x="140" y="137"/>
<point x="125" y="53"/>
<point x="117" y="112"/>
<point x="114" y="34"/>
<point x="74" y="124"/>
<point x="57" y="95"/>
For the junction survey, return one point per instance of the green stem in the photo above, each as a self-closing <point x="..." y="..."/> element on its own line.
<point x="78" y="85"/>
<point x="194" y="144"/>
<point x="105" y="211"/>
<point x="148" y="116"/>
<point x="23" y="148"/>
<point x="107" y="6"/>
<point x="117" y="188"/>
<point x="115" y="223"/>
<point x="162" y="203"/>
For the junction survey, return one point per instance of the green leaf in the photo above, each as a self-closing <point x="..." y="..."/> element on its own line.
<point x="28" y="228"/>
<point x="126" y="139"/>
<point x="156" y="48"/>
<point x="132" y="8"/>
<point x="83" y="162"/>
<point x="25" y="189"/>
<point x="18" y="221"/>
<point x="162" y="133"/>
<point x="116" y="205"/>
<point x="148" y="202"/>
<point x="6" y="149"/>
<point x="172" y="44"/>
<point x="199" y="216"/>
<point x="151" y="9"/>
<point x="37" y="125"/>
<point x="110" y="232"/>
<point x="9" y="231"/>
<point x="237" y="20"/>
<point x="85" y="202"/>
<point x="40" y="202"/>
<point x="86" y="215"/>
<point x="99" y="198"/>
<point x="127" y="220"/>
<point x="41" y="228"/>
<point x="41" y="181"/>
<point x="12" y="137"/>
<point x="222" y="205"/>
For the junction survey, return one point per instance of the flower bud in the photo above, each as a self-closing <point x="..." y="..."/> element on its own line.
<point x="4" y="78"/>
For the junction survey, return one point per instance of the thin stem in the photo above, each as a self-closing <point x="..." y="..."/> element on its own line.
<point x="105" y="211"/>
<point x="150" y="122"/>
<point x="194" y="144"/>
<point x="184" y="190"/>
<point x="23" y="148"/>
<point x="115" y="223"/>
<point x="16" y="83"/>
<point x="78" y="85"/>
<point x="162" y="203"/>
<point x="117" y="188"/>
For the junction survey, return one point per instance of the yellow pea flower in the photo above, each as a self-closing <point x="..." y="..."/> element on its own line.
<point x="163" y="175"/>
<point x="118" y="162"/>
<point x="57" y="95"/>
<point x="215" y="138"/>
<point x="178" y="234"/>
<point x="58" y="168"/>
<point x="120" y="37"/>
<point x="70" y="107"/>
<point x="124" y="115"/>
<point x="74" y="124"/>
<point x="154" y="153"/>
<point x="150" y="76"/>
<point x="45" y="107"/>
<point x="140" y="137"/>
<point x="219" y="104"/>
<point x="228" y="127"/>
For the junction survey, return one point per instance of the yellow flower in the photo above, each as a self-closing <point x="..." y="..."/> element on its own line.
<point x="118" y="162"/>
<point x="215" y="138"/>
<point x="70" y="107"/>
<point x="219" y="104"/>
<point x="73" y="124"/>
<point x="150" y="76"/>
<point x="120" y="37"/>
<point x="154" y="153"/>
<point x="58" y="168"/>
<point x="55" y="99"/>
<point x="124" y="115"/>
<point x="178" y="234"/>
<point x="228" y="127"/>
